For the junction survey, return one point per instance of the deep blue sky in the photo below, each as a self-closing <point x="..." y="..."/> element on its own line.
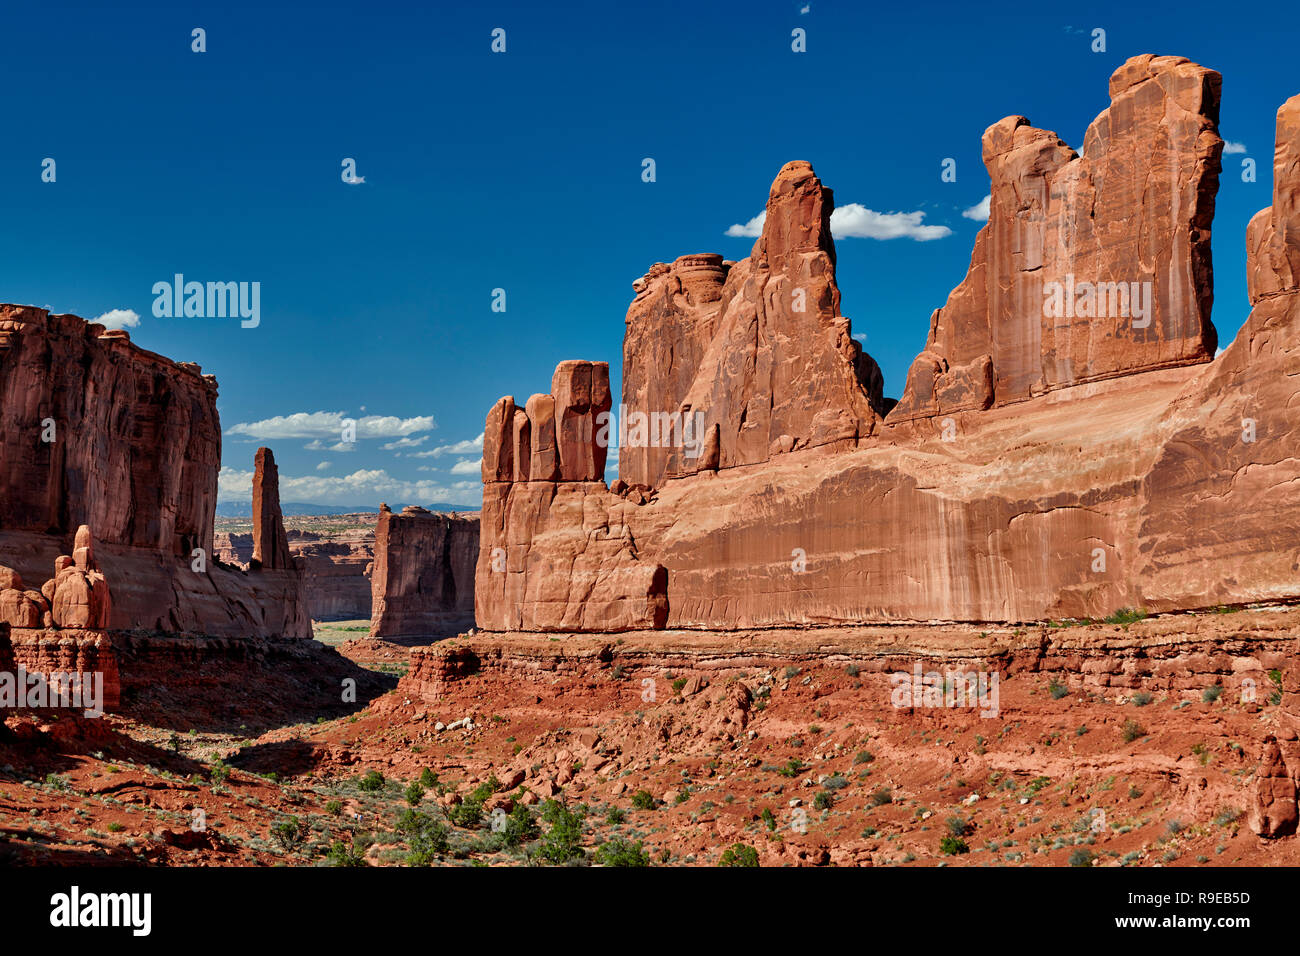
<point x="523" y="171"/>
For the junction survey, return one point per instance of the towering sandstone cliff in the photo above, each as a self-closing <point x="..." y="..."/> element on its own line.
<point x="423" y="577"/>
<point x="96" y="431"/>
<point x="1128" y="219"/>
<point x="1061" y="449"/>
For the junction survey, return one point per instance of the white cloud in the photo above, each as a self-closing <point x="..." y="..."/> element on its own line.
<point x="360" y="487"/>
<point x="329" y="425"/>
<point x="467" y="447"/>
<point x="1230" y="147"/>
<point x="467" y="466"/>
<point x="855" y="221"/>
<point x="750" y="230"/>
<point x="234" y="485"/>
<point x="405" y="443"/>
<point x="323" y="466"/>
<point x="119" y="319"/>
<point x="860" y="336"/>
<point x="980" y="211"/>
<point x="318" y="445"/>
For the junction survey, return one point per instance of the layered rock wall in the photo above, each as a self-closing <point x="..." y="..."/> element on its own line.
<point x="96" y="431"/>
<point x="422" y="584"/>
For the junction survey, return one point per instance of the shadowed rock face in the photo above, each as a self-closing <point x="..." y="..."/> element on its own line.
<point x="422" y="584"/>
<point x="1079" y="467"/>
<point x="95" y="431"/>
<point x="1076" y="245"/>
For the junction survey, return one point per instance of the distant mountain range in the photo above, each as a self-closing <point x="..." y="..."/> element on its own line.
<point x="244" y="509"/>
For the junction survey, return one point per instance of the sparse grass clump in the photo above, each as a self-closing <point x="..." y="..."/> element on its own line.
<point x="1226" y="816"/>
<point x="958" y="826"/>
<point x="1126" y="615"/>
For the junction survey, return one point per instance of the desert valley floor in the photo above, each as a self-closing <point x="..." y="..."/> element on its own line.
<point x="1114" y="745"/>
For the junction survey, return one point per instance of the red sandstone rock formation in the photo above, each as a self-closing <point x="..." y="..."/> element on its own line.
<point x="1273" y="811"/>
<point x="422" y="584"/>
<point x="76" y="597"/>
<point x="270" y="546"/>
<point x="757" y="349"/>
<point x="79" y="652"/>
<point x="1136" y="207"/>
<point x="81" y="597"/>
<point x="587" y="576"/>
<point x="96" y="431"/>
<point x="1110" y="468"/>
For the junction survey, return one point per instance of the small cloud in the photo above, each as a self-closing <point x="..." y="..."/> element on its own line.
<point x="318" y="445"/>
<point x="327" y="424"/>
<point x="980" y="211"/>
<point x="860" y="336"/>
<point x="404" y="443"/>
<point x="119" y="319"/>
<point x="750" y="230"/>
<point x="468" y="447"/>
<point x="855" y="221"/>
<point x="1229" y="147"/>
<point x="323" y="466"/>
<point x="467" y="466"/>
